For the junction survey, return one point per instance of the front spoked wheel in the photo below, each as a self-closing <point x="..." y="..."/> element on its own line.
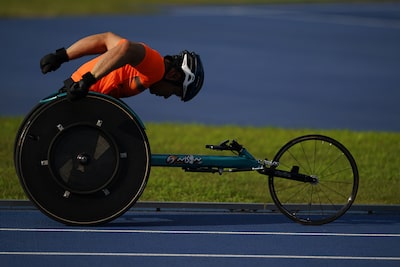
<point x="333" y="190"/>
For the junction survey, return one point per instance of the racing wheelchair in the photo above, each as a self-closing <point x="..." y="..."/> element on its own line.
<point x="87" y="162"/>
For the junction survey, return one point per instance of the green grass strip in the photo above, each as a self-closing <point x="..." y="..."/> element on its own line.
<point x="51" y="8"/>
<point x="376" y="154"/>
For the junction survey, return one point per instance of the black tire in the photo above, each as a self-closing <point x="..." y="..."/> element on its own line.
<point x="84" y="162"/>
<point x="337" y="180"/>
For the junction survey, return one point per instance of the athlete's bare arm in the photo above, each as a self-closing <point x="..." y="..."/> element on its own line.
<point x="115" y="54"/>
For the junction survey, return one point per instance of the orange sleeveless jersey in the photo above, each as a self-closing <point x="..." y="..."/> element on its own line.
<point x="127" y="80"/>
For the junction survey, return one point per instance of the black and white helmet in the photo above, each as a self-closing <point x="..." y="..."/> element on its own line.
<point x="192" y="68"/>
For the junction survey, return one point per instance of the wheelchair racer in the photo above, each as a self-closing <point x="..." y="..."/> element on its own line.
<point x="125" y="68"/>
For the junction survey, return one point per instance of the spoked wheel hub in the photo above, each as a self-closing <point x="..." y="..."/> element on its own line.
<point x="315" y="179"/>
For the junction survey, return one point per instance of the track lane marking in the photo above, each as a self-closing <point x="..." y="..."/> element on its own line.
<point x="193" y="255"/>
<point x="133" y="231"/>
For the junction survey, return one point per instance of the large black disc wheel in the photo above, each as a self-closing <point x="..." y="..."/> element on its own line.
<point x="83" y="162"/>
<point x="334" y="185"/>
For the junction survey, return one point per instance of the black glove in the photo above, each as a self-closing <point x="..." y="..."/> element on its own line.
<point x="53" y="61"/>
<point x="78" y="90"/>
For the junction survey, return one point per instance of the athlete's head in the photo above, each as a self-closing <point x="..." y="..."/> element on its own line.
<point x="191" y="73"/>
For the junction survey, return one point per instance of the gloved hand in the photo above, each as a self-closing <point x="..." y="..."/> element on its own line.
<point x="78" y="90"/>
<point x="53" y="61"/>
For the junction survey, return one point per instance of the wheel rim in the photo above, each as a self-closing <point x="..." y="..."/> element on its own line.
<point x="336" y="183"/>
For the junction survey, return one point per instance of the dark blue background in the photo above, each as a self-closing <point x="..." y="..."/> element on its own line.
<point x="309" y="66"/>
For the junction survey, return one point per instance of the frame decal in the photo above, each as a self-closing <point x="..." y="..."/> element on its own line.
<point x="184" y="159"/>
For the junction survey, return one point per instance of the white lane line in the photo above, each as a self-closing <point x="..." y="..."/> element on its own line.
<point x="192" y="255"/>
<point x="173" y="232"/>
<point x="341" y="20"/>
<point x="301" y="15"/>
